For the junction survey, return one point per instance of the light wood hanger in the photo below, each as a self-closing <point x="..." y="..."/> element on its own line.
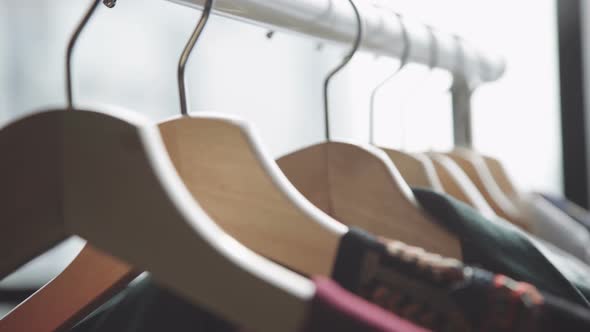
<point x="417" y="170"/>
<point x="223" y="164"/>
<point x="429" y="170"/>
<point x="85" y="284"/>
<point x="360" y="186"/>
<point x="476" y="169"/>
<point x="81" y="288"/>
<point x="109" y="180"/>
<point x="503" y="179"/>
<point x="458" y="184"/>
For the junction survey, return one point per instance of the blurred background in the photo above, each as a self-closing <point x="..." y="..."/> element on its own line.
<point x="128" y="56"/>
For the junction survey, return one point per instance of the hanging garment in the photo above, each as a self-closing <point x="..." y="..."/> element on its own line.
<point x="576" y="212"/>
<point x="554" y="226"/>
<point x="146" y="307"/>
<point x="571" y="267"/>
<point x="502" y="248"/>
<point x="445" y="295"/>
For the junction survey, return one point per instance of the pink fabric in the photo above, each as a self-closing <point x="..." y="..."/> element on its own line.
<point x="336" y="309"/>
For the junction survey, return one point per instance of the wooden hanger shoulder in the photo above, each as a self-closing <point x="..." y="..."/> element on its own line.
<point x="360" y="187"/>
<point x="221" y="162"/>
<point x="458" y="184"/>
<point x="479" y="174"/>
<point x="501" y="177"/>
<point x="118" y="189"/>
<point x="417" y="170"/>
<point x="81" y="288"/>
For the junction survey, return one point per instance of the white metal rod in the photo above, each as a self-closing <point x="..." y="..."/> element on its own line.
<point x="333" y="20"/>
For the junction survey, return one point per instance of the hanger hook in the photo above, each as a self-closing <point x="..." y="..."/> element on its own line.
<point x="407" y="47"/>
<point x="72" y="45"/>
<point x="190" y="45"/>
<point x="345" y="61"/>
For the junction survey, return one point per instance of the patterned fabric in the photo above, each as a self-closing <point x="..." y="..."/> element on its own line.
<point x="336" y="309"/>
<point x="402" y="280"/>
<point x="443" y="294"/>
<point x="507" y="302"/>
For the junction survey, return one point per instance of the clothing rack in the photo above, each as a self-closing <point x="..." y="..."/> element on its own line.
<point x="334" y="21"/>
<point x="334" y="236"/>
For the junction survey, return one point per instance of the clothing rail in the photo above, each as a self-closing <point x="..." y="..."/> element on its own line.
<point x="333" y="20"/>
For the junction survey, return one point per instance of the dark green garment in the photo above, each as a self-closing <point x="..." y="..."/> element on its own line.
<point x="147" y="307"/>
<point x="502" y="248"/>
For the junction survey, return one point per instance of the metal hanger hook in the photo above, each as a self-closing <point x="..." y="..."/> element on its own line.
<point x="355" y="47"/>
<point x="72" y="44"/>
<point x="407" y="47"/>
<point x="187" y="52"/>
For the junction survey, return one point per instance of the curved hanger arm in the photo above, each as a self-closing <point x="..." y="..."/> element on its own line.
<point x="503" y="179"/>
<point x="91" y="291"/>
<point x="360" y="186"/>
<point x="417" y="170"/>
<point x="253" y="202"/>
<point x="458" y="184"/>
<point x="474" y="166"/>
<point x="223" y="164"/>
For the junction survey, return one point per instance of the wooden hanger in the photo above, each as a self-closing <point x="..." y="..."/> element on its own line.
<point x="109" y="180"/>
<point x="429" y="170"/>
<point x="502" y="177"/>
<point x="478" y="172"/>
<point x="458" y="184"/>
<point x="360" y="186"/>
<point x="81" y="288"/>
<point x="223" y="164"/>
<point x="86" y="283"/>
<point x="417" y="170"/>
<point x="469" y="161"/>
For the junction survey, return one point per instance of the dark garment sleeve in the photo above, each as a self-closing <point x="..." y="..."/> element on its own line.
<point x="147" y="307"/>
<point x="496" y="247"/>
